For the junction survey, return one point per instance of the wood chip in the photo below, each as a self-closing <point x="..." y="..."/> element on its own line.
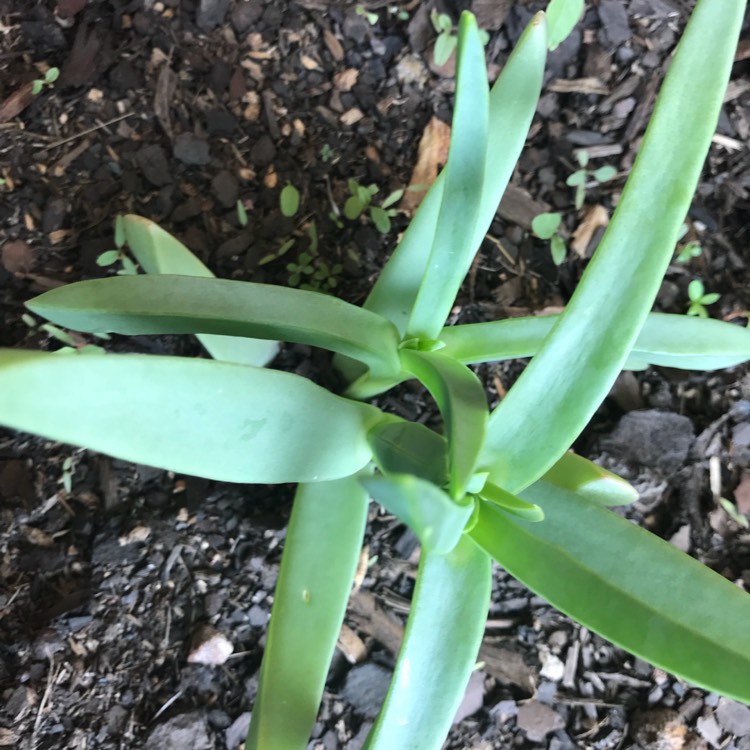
<point x="209" y="647"/>
<point x="579" y="86"/>
<point x="351" y="645"/>
<point x="595" y="217"/>
<point x="334" y="45"/>
<point x="742" y="494"/>
<point x="352" y="116"/>
<point x="18" y="256"/>
<point x="345" y="80"/>
<point x="166" y="84"/>
<point x="309" y="63"/>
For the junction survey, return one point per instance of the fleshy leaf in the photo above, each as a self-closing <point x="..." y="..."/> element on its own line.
<point x="435" y="519"/>
<point x="321" y="550"/>
<point x="185" y="304"/>
<point x="207" y="418"/>
<point x="628" y="585"/>
<point x="571" y="374"/>
<point x="158" y="252"/>
<point x="443" y="633"/>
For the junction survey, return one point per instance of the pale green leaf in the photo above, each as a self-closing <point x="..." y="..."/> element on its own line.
<point x="321" y="551"/>
<point x="207" y="418"/>
<point x="562" y="16"/>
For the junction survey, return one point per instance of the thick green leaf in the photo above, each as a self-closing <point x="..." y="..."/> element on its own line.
<point x="589" y="481"/>
<point x="188" y="304"/>
<point x="322" y="547"/>
<point x="402" y="447"/>
<point x="213" y="419"/>
<point x="443" y="633"/>
<point x="462" y="402"/>
<point x="576" y="366"/>
<point x="562" y="16"/>
<point x="512" y="102"/>
<point x="451" y="256"/>
<point x="511" y="503"/>
<point x="667" y="340"/>
<point x="628" y="585"/>
<point x="158" y="252"/>
<point x="436" y="520"/>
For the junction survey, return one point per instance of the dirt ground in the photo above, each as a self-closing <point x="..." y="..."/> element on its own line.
<point x="113" y="575"/>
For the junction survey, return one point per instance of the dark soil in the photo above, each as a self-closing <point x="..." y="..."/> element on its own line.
<point x="112" y="574"/>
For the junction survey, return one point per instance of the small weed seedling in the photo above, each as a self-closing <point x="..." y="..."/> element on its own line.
<point x="242" y="217"/>
<point x="446" y="41"/>
<point x="360" y="201"/>
<point x="310" y="272"/>
<point x="699" y="299"/>
<point x="289" y="200"/>
<point x="372" y="18"/>
<point x="47" y="81"/>
<point x="110" y="257"/>
<point x="581" y="177"/>
<point x="546" y="226"/>
<point x="690" y="250"/>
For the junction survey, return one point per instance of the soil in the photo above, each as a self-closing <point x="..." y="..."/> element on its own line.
<point x="113" y="575"/>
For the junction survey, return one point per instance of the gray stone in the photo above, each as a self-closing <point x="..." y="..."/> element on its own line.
<point x="365" y="689"/>
<point x="656" y="439"/>
<point x="211" y="13"/>
<point x="152" y="161"/>
<point x="225" y="188"/>
<point x="235" y="735"/>
<point x="245" y="14"/>
<point x="733" y="717"/>
<point x="181" y="731"/>
<point x="614" y="20"/>
<point x="191" y="150"/>
<point x="538" y="720"/>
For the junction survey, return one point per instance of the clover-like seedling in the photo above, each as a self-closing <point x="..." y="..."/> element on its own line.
<point x="110" y="257"/>
<point x="47" y="81"/>
<point x="581" y="177"/>
<point x="360" y="201"/>
<point x="546" y="226"/>
<point x="372" y="18"/>
<point x="699" y="299"/>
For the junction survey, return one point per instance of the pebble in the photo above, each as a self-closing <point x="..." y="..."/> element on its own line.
<point x="153" y="164"/>
<point x="365" y="689"/>
<point x="538" y="720"/>
<point x="211" y="13"/>
<point x="235" y="734"/>
<point x="181" y="731"/>
<point x="191" y="150"/>
<point x="225" y="188"/>
<point x="733" y="717"/>
<point x="244" y="14"/>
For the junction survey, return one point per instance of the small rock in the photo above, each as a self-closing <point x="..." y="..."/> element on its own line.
<point x="211" y="13"/>
<point x="220" y="122"/>
<point x="152" y="161"/>
<point x="116" y="718"/>
<point x="210" y="647"/>
<point x="54" y="215"/>
<point x="656" y="439"/>
<point x="709" y="729"/>
<point x="365" y="689"/>
<point x="245" y="14"/>
<point x="191" y="150"/>
<point x="473" y="698"/>
<point x="180" y="732"/>
<point x="17" y="256"/>
<point x="615" y="22"/>
<point x="733" y="717"/>
<point x="235" y="735"/>
<point x="263" y="151"/>
<point x="257" y="616"/>
<point x="357" y="742"/>
<point x="538" y="720"/>
<point x="225" y="188"/>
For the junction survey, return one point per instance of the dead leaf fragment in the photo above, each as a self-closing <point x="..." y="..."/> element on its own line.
<point x="18" y="256"/>
<point x="351" y="645"/>
<point x="309" y="63"/>
<point x="137" y="534"/>
<point x="209" y="647"/>
<point x="433" y="153"/>
<point x="345" y="80"/>
<point x="16" y="103"/>
<point x="597" y="216"/>
<point x="166" y="84"/>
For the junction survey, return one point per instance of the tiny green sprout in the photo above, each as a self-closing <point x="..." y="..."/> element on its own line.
<point x="49" y="79"/>
<point x="690" y="251"/>
<point x="67" y="474"/>
<point x="446" y="41"/>
<point x="108" y="258"/>
<point x="699" y="299"/>
<point x="582" y="176"/>
<point x="400" y="13"/>
<point x="2" y="182"/>
<point x="289" y="200"/>
<point x="734" y="513"/>
<point x="326" y="153"/>
<point x="546" y="226"/>
<point x="372" y="18"/>
<point x="241" y="214"/>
